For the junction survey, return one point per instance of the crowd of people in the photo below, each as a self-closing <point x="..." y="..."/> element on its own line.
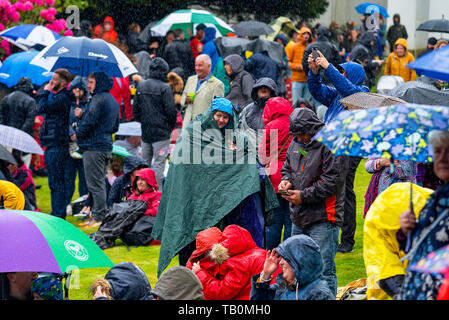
<point x="262" y="230"/>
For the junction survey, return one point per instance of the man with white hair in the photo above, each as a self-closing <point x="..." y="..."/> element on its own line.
<point x="200" y="90"/>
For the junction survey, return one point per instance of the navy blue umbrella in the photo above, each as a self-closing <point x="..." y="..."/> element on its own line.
<point x="82" y="56"/>
<point x="370" y="8"/>
<point x="26" y="36"/>
<point x="433" y="64"/>
<point x="18" y="65"/>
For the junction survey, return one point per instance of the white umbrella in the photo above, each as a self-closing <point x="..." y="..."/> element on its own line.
<point x="18" y="139"/>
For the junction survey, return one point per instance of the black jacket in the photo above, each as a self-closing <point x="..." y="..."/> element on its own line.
<point x="154" y="104"/>
<point x="241" y="83"/>
<point x="316" y="172"/>
<point x="102" y="118"/>
<point x="18" y="108"/>
<point x="56" y="109"/>
<point x="179" y="54"/>
<point x="363" y="53"/>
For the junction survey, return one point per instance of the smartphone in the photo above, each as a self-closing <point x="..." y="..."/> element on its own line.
<point x="284" y="192"/>
<point x="315" y="53"/>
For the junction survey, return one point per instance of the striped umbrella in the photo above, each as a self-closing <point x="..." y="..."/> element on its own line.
<point x="183" y="19"/>
<point x="26" y="36"/>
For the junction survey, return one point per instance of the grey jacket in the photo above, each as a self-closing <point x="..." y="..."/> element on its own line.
<point x="178" y="283"/>
<point x="241" y="83"/>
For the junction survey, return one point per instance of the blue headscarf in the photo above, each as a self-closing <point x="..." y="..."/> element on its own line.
<point x="224" y="105"/>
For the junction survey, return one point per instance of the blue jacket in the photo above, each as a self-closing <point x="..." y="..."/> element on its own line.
<point x="344" y="86"/>
<point x="102" y="118"/>
<point x="260" y="65"/>
<point x="55" y="108"/>
<point x="303" y="255"/>
<point x="209" y="47"/>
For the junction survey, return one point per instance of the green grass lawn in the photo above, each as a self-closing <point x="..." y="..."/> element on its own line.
<point x="350" y="266"/>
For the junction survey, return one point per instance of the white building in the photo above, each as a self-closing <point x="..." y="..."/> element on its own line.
<point x="412" y="12"/>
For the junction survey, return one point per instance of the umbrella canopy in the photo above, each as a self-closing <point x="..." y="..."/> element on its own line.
<point x="18" y="139"/>
<point x="18" y="65"/>
<point x="399" y="130"/>
<point x="120" y="151"/>
<point x="38" y="242"/>
<point x="82" y="56"/>
<point x="370" y="8"/>
<point x="189" y="19"/>
<point x="366" y="100"/>
<point x="388" y="83"/>
<point x="147" y="33"/>
<point x="26" y="36"/>
<point x="132" y="128"/>
<point x="437" y="25"/>
<point x="281" y="25"/>
<point x="5" y="155"/>
<point x="252" y="28"/>
<point x="421" y="92"/>
<point x="436" y="262"/>
<point x="433" y="64"/>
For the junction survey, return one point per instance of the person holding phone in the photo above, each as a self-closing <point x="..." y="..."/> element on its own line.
<point x="313" y="177"/>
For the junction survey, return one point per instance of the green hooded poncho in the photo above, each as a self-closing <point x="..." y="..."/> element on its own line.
<point x="206" y="180"/>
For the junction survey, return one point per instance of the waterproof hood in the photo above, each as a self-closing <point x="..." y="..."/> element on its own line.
<point x="304" y="121"/>
<point x="323" y="33"/>
<point x="236" y="62"/>
<point x="275" y="108"/>
<point x="79" y="83"/>
<point x="110" y="20"/>
<point x="103" y="82"/>
<point x="402" y="42"/>
<point x="303" y="255"/>
<point x="149" y="176"/>
<point x="366" y="39"/>
<point x="178" y="283"/>
<point x="158" y="69"/>
<point x="209" y="34"/>
<point x="264" y="82"/>
<point x="205" y="240"/>
<point x="309" y="104"/>
<point x="132" y="163"/>
<point x="354" y="72"/>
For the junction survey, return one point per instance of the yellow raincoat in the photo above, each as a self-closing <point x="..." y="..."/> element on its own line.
<point x="13" y="197"/>
<point x="381" y="251"/>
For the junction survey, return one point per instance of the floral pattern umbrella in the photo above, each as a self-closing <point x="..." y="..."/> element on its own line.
<point x="436" y="262"/>
<point x="398" y="131"/>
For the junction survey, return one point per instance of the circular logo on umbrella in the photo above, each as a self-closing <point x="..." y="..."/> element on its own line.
<point x="76" y="250"/>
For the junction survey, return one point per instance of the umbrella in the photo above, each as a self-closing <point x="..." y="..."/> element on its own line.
<point x="26" y="36"/>
<point x="34" y="241"/>
<point x="370" y="8"/>
<point x="388" y="83"/>
<point x="436" y="262"/>
<point x="184" y="19"/>
<point x="129" y="129"/>
<point x="147" y="33"/>
<point x="433" y="64"/>
<point x="5" y="155"/>
<point x="281" y="25"/>
<point x="82" y="56"/>
<point x="18" y="139"/>
<point x="421" y="92"/>
<point x="252" y="29"/>
<point x="399" y="130"/>
<point x="18" y="65"/>
<point x="120" y="151"/>
<point x="437" y="25"/>
<point x="366" y="100"/>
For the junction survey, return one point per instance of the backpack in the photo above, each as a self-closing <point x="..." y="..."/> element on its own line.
<point x="140" y="233"/>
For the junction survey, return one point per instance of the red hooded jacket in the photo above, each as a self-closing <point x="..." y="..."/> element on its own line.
<point x="109" y="36"/>
<point x="150" y="196"/>
<point x="238" y="259"/>
<point x="121" y="91"/>
<point x="276" y="119"/>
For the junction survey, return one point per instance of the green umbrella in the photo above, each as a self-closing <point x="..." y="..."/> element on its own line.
<point x="120" y="151"/>
<point x="184" y="19"/>
<point x="38" y="242"/>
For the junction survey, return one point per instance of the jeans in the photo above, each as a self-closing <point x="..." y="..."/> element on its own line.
<point x="55" y="159"/>
<point x="73" y="167"/>
<point x="95" y="163"/>
<point x="326" y="236"/>
<point x="300" y="90"/>
<point x="150" y="152"/>
<point x="280" y="219"/>
<point x="350" y="208"/>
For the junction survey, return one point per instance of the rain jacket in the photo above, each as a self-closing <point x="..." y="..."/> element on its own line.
<point x="122" y="94"/>
<point x="110" y="36"/>
<point x="102" y="119"/>
<point x="143" y="63"/>
<point x="260" y="65"/>
<point x="295" y="57"/>
<point x="397" y="66"/>
<point x="316" y="172"/>
<point x="364" y="53"/>
<point x="187" y="207"/>
<point x="121" y="189"/>
<point x="276" y="119"/>
<point x="381" y="250"/>
<point x="151" y="196"/>
<point x="209" y="47"/>
<point x="178" y="283"/>
<point x="204" y="241"/>
<point x="304" y="256"/>
<point x="241" y="83"/>
<point x="178" y="54"/>
<point x="18" y="108"/>
<point x="396" y="31"/>
<point x="56" y="108"/>
<point x="83" y="104"/>
<point x="154" y="105"/>
<point x="239" y="259"/>
<point x="128" y="282"/>
<point x="343" y="87"/>
<point x="13" y="198"/>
